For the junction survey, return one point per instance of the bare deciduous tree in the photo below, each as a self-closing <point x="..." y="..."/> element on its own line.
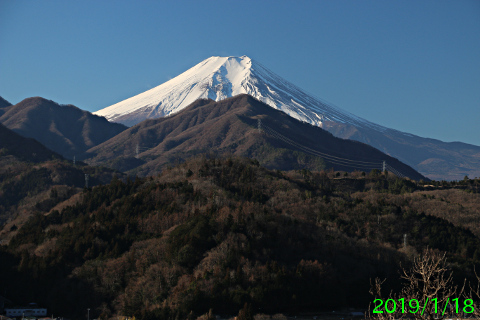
<point x="428" y="293"/>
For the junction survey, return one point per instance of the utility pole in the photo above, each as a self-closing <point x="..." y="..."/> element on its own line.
<point x="86" y="180"/>
<point x="88" y="314"/>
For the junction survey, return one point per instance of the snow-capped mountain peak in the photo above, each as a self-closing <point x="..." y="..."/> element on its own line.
<point x="218" y="78"/>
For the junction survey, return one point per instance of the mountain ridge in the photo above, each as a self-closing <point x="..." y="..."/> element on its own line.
<point x="65" y="129"/>
<point x="230" y="126"/>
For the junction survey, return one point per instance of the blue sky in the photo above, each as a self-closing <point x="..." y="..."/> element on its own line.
<point x="411" y="65"/>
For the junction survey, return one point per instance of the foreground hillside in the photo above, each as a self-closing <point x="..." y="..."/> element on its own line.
<point x="219" y="233"/>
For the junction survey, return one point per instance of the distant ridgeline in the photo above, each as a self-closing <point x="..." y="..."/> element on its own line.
<point x="64" y="129"/>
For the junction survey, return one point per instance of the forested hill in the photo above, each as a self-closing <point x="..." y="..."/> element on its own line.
<point x="219" y="233"/>
<point x="230" y="126"/>
<point x="34" y="179"/>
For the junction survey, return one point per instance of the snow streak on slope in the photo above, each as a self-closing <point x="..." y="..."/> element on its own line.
<point x="218" y="78"/>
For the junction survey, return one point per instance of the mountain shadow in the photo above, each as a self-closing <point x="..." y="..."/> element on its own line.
<point x="26" y="149"/>
<point x="3" y="103"/>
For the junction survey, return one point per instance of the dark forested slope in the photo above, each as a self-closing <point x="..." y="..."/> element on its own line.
<point x="219" y="233"/>
<point x="34" y="179"/>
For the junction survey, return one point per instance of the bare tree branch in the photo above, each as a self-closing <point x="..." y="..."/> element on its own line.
<point x="427" y="292"/>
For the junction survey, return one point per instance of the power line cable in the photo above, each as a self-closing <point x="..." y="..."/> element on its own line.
<point x="330" y="158"/>
<point x="334" y="159"/>
<point x="396" y="172"/>
<point x="327" y="155"/>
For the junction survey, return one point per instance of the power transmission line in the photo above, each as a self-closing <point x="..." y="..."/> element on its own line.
<point x="330" y="158"/>
<point x="376" y="163"/>
<point x="384" y="166"/>
<point x="396" y="172"/>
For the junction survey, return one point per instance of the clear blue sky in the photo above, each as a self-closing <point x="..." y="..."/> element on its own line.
<point x="411" y="65"/>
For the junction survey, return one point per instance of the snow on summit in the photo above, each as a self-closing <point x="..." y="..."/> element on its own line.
<point x="218" y="78"/>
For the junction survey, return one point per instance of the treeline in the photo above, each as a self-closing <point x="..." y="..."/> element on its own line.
<point x="217" y="233"/>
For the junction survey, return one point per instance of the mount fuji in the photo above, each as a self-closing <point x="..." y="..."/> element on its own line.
<point x="218" y="78"/>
